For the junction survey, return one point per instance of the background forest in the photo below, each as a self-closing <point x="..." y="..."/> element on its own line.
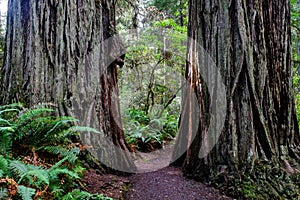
<point x="40" y="154"/>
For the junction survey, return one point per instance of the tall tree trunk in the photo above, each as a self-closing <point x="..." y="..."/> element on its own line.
<point x="59" y="52"/>
<point x="249" y="42"/>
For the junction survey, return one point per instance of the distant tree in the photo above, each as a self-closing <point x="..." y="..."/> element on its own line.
<point x="173" y="8"/>
<point x="250" y="42"/>
<point x="54" y="55"/>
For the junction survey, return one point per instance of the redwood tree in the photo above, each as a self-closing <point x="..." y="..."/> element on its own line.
<point x="59" y="53"/>
<point x="250" y="43"/>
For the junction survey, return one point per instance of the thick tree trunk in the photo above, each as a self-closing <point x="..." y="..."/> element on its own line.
<point x="249" y="42"/>
<point x="55" y="53"/>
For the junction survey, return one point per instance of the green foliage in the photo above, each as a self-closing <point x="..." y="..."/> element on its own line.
<point x="173" y="9"/>
<point x="140" y="127"/>
<point x="78" y="194"/>
<point x="3" y="166"/>
<point x="34" y="128"/>
<point x="295" y="29"/>
<point x="26" y="193"/>
<point x="39" y="131"/>
<point x="71" y="153"/>
<point x="37" y="127"/>
<point x="37" y="177"/>
<point x="171" y="23"/>
<point x="151" y="80"/>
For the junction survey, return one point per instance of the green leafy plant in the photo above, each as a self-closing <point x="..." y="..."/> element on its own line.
<point x="79" y="194"/>
<point x="295" y="30"/>
<point x="141" y="128"/>
<point x="37" y="131"/>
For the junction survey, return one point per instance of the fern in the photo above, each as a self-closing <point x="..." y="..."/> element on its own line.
<point x="3" y="166"/>
<point x="59" y="163"/>
<point x="35" y="130"/>
<point x="13" y="105"/>
<point x="70" y="153"/>
<point x="6" y="140"/>
<point x="30" y="174"/>
<point x="63" y="120"/>
<point x="41" y="175"/>
<point x="18" y="167"/>
<point x="44" y="130"/>
<point x="26" y="192"/>
<point x="78" y="194"/>
<point x="56" y="169"/>
<point x="6" y="129"/>
<point x="31" y="128"/>
<point x="54" y="173"/>
<point x="57" y="133"/>
<point x="5" y="122"/>
<point x="12" y="110"/>
<point x="4" y="192"/>
<point x="31" y="114"/>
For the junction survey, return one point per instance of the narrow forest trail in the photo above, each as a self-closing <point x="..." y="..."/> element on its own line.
<point x="169" y="184"/>
<point x="155" y="180"/>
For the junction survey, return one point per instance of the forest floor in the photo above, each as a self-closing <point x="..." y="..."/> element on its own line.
<point x="154" y="180"/>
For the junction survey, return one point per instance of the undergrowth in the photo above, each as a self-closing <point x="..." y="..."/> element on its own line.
<point x="38" y="158"/>
<point x="142" y="129"/>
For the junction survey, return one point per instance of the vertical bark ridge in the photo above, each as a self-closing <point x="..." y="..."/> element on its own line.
<point x="250" y="43"/>
<point x="55" y="54"/>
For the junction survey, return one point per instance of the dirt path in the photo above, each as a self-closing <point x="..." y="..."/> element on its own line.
<point x="155" y="180"/>
<point x="169" y="184"/>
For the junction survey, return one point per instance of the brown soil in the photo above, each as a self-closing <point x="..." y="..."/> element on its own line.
<point x="164" y="184"/>
<point x="154" y="181"/>
<point x="107" y="184"/>
<point x="169" y="184"/>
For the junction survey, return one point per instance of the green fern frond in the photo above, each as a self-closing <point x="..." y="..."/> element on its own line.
<point x="31" y="124"/>
<point x="59" y="163"/>
<point x="42" y="176"/>
<point x="78" y="194"/>
<point x="70" y="153"/>
<point x="26" y="192"/>
<point x="6" y="129"/>
<point x="13" y="105"/>
<point x="31" y="114"/>
<point x="34" y="167"/>
<point x="57" y="191"/>
<point x="62" y="120"/>
<point x="54" y="173"/>
<point x="18" y="167"/>
<point x="3" y="166"/>
<point x="5" y="140"/>
<point x="9" y="110"/>
<point x="4" y="192"/>
<point x="78" y="169"/>
<point x="44" y="130"/>
<point x="5" y="122"/>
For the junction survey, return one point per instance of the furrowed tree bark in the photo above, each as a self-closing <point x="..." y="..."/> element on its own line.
<point x="55" y="54"/>
<point x="250" y="42"/>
